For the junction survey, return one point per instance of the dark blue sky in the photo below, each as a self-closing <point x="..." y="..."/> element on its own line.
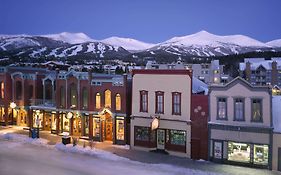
<point x="146" y="20"/>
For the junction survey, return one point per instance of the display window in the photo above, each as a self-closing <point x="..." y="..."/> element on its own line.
<point x="54" y="122"/>
<point x="2" y="114"/>
<point x="177" y="137"/>
<point x="239" y="152"/>
<point x="261" y="154"/>
<point x="37" y="119"/>
<point x="142" y="133"/>
<point x="120" y="128"/>
<point x="96" y="127"/>
<point x="65" y="123"/>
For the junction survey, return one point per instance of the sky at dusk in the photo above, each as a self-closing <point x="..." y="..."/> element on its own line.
<point x="146" y="20"/>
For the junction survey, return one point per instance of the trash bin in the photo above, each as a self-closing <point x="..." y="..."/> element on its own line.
<point x="34" y="133"/>
<point x="65" y="140"/>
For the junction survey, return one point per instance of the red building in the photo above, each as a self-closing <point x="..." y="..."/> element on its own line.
<point x="199" y="126"/>
<point x="82" y="104"/>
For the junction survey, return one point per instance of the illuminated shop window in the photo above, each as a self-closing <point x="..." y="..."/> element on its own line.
<point x="118" y="102"/>
<point x="98" y="98"/>
<point x="120" y="128"/>
<point x="177" y="137"/>
<point x="261" y="154"/>
<point x="96" y="127"/>
<point x="107" y="99"/>
<point x="54" y="122"/>
<point x="239" y="152"/>
<point x="39" y="118"/>
<point x="65" y="124"/>
<point x="2" y="114"/>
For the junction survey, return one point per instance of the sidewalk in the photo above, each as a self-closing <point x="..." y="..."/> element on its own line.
<point x="154" y="158"/>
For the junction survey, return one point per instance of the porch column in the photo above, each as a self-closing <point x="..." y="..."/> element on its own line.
<point x="58" y="122"/>
<point x="6" y="115"/>
<point x="91" y="126"/>
<point x="30" y="119"/>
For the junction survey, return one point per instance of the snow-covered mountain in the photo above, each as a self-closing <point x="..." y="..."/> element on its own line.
<point x="274" y="43"/>
<point x="71" y="38"/>
<point x="204" y="43"/>
<point x="128" y="43"/>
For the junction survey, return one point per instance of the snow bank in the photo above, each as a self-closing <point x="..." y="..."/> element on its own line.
<point x="89" y="151"/>
<point x="23" y="139"/>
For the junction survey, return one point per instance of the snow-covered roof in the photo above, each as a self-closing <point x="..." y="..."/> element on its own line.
<point x="199" y="86"/>
<point x="257" y="62"/>
<point x="276" y="113"/>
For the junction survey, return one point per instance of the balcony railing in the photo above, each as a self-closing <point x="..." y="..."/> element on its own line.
<point x="43" y="102"/>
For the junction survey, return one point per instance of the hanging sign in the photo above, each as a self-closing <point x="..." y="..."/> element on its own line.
<point x="155" y="123"/>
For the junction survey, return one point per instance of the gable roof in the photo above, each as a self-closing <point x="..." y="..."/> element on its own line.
<point x="239" y="80"/>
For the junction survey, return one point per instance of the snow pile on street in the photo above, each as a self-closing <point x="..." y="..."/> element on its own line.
<point x="88" y="151"/>
<point x="23" y="139"/>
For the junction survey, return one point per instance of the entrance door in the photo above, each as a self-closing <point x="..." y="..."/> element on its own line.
<point x="47" y="122"/>
<point x="108" y="129"/>
<point x="161" y="139"/>
<point x="279" y="159"/>
<point x="77" y="126"/>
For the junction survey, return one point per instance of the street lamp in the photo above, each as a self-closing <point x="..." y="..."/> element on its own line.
<point x="13" y="105"/>
<point x="37" y="121"/>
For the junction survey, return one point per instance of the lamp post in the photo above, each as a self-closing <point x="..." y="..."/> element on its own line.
<point x="37" y="121"/>
<point x="13" y="105"/>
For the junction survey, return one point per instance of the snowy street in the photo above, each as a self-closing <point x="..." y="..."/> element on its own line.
<point x="22" y="155"/>
<point x="28" y="159"/>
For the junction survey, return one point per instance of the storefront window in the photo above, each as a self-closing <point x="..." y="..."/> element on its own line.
<point x="65" y="123"/>
<point x="2" y="114"/>
<point x="120" y="128"/>
<point x="37" y="119"/>
<point x="96" y="127"/>
<point x="177" y="137"/>
<point x="142" y="133"/>
<point x="261" y="154"/>
<point x="54" y="122"/>
<point x="86" y="125"/>
<point x="239" y="152"/>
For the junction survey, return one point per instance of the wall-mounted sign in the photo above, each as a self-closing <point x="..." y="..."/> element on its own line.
<point x="155" y="123"/>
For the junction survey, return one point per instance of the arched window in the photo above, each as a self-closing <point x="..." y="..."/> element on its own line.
<point x="62" y="96"/>
<point x="73" y="95"/>
<point x="107" y="96"/>
<point x="2" y="90"/>
<point x="118" y="102"/>
<point x="18" y="90"/>
<point x="98" y="98"/>
<point x="48" y="90"/>
<point x="84" y="97"/>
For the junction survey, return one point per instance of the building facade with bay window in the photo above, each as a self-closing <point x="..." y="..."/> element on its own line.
<point x="240" y="124"/>
<point x="161" y="103"/>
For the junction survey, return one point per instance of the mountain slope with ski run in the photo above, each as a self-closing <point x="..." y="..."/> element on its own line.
<point x="202" y="44"/>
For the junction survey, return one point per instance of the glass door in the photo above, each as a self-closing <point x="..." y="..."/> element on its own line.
<point x="161" y="139"/>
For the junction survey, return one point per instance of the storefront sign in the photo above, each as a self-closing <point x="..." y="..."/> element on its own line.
<point x="155" y="123"/>
<point x="217" y="150"/>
